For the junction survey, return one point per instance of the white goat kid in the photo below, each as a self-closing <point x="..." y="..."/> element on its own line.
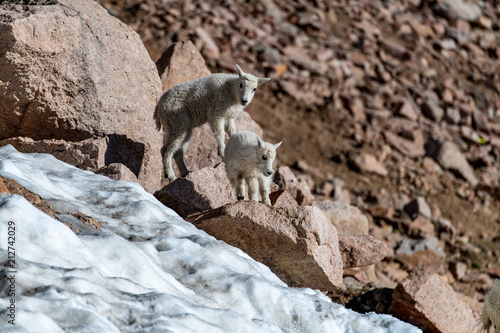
<point x="249" y="159"/>
<point x="491" y="310"/>
<point x="215" y="99"/>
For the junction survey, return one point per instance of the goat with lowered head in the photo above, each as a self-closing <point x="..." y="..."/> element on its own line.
<point x="249" y="160"/>
<point x="215" y="99"/>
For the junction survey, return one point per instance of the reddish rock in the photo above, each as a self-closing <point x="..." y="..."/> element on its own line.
<point x="408" y="110"/>
<point x="426" y="254"/>
<point x="357" y="109"/>
<point x="432" y="110"/>
<point x="200" y="190"/>
<point x="304" y="193"/>
<point x="86" y="154"/>
<point x="368" y="163"/>
<point x="421" y="227"/>
<point x="480" y="121"/>
<point x="297" y="243"/>
<point x="286" y="180"/>
<point x="445" y="230"/>
<point x="361" y="250"/>
<point x="3" y="188"/>
<point x="429" y="165"/>
<point x="417" y="206"/>
<point x="458" y="269"/>
<point x="395" y="49"/>
<point x="347" y="219"/>
<point x="282" y="198"/>
<point x="84" y="75"/>
<point x="117" y="171"/>
<point x="458" y="10"/>
<point x="404" y="146"/>
<point x="428" y="302"/>
<point x="450" y="157"/>
<point x="181" y="62"/>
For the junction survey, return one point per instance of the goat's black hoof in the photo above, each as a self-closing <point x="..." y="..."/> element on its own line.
<point x="240" y="198"/>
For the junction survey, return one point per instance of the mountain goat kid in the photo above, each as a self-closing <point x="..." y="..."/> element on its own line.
<point x="215" y="99"/>
<point x="249" y="159"/>
<point x="491" y="310"/>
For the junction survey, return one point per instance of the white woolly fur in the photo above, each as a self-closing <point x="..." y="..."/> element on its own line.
<point x="215" y="99"/>
<point x="249" y="160"/>
<point x="491" y="310"/>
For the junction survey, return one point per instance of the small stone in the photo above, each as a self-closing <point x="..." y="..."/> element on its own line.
<point x="361" y="250"/>
<point x="408" y="110"/>
<point x="417" y="207"/>
<point x="452" y="115"/>
<point x="449" y="156"/>
<point x="404" y="146"/>
<point x="458" y="269"/>
<point x="365" y="162"/>
<point x="432" y="110"/>
<point x="485" y="22"/>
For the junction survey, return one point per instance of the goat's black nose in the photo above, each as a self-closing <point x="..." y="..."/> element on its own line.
<point x="268" y="173"/>
<point x="244" y="101"/>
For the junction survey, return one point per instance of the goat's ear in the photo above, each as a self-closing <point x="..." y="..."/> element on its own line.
<point x="262" y="80"/>
<point x="240" y="72"/>
<point x="259" y="142"/>
<point x="278" y="144"/>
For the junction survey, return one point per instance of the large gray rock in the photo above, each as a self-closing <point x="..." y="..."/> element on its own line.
<point x="72" y="72"/>
<point x="297" y="243"/>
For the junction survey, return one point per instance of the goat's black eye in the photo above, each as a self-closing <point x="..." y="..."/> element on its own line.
<point x="254" y="89"/>
<point x="241" y="85"/>
<point x="264" y="157"/>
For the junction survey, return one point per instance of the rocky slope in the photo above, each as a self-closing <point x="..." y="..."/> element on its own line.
<point x="390" y="107"/>
<point x="396" y="102"/>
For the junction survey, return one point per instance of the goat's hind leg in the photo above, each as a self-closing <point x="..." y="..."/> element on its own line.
<point x="218" y="130"/>
<point x="179" y="154"/>
<point x="170" y="146"/>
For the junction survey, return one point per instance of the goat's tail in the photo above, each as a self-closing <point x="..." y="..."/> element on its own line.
<point x="157" y="117"/>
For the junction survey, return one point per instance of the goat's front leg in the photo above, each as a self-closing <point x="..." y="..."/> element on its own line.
<point x="231" y="127"/>
<point x="240" y="188"/>
<point x="253" y="188"/>
<point x="218" y="130"/>
<point x="264" y="184"/>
